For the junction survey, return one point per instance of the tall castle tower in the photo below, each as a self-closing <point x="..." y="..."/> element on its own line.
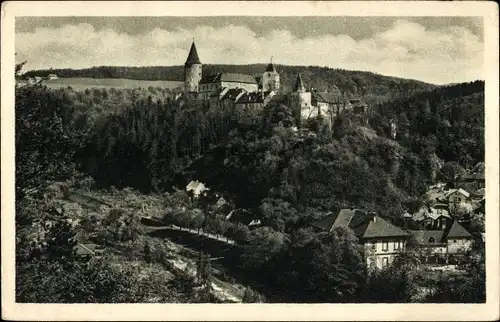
<point x="270" y="78"/>
<point x="300" y="95"/>
<point x="192" y="71"/>
<point x="301" y="100"/>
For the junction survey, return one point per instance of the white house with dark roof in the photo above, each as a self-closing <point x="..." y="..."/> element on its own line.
<point x="196" y="188"/>
<point x="457" y="196"/>
<point x="455" y="239"/>
<point x="382" y="240"/>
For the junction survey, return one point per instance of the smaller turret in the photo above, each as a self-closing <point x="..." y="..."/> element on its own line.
<point x="301" y="99"/>
<point x="299" y="85"/>
<point x="271" y="78"/>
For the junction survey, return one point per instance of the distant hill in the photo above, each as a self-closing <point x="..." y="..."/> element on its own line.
<point x="79" y="83"/>
<point x="373" y="87"/>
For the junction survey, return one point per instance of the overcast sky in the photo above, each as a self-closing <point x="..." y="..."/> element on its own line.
<point x="433" y="49"/>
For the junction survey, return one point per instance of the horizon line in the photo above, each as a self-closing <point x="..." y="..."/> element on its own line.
<point x="249" y="64"/>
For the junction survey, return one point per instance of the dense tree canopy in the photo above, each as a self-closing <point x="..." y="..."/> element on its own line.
<point x="286" y="178"/>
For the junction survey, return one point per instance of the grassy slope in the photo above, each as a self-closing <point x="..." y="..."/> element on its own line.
<point x="180" y="244"/>
<point x="79" y="83"/>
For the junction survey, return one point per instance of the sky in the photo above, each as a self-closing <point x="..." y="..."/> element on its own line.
<point x="437" y="50"/>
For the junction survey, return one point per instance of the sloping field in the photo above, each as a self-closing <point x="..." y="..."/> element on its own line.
<point x="83" y="83"/>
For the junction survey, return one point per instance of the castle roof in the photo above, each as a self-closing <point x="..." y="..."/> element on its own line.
<point x="299" y="84"/>
<point x="192" y="57"/>
<point x="327" y="97"/>
<point x="233" y="94"/>
<point x="254" y="97"/>
<point x="228" y="77"/>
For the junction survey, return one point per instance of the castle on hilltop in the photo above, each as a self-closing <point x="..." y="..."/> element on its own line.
<point x="248" y="94"/>
<point x="204" y="86"/>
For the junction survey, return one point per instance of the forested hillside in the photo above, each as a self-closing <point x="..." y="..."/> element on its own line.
<point x="373" y="87"/>
<point x="447" y="121"/>
<point x="145" y="140"/>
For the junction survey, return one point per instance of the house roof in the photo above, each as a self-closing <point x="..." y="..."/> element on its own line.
<point x="241" y="215"/>
<point x="344" y="218"/>
<point x="478" y="168"/>
<point x="479" y="192"/>
<point x="458" y="231"/>
<point x="406" y="214"/>
<point x="327" y="97"/>
<point x="421" y="214"/>
<point x="473" y="176"/>
<point x="221" y="201"/>
<point x="85" y="249"/>
<point x="364" y="224"/>
<point x="192" y="56"/>
<point x="229" y="77"/>
<point x="429" y="237"/>
<point x="299" y="84"/>
<point x="326" y="222"/>
<point x="254" y="222"/>
<point x="460" y="190"/>
<point x="194" y="185"/>
<point x="379" y="227"/>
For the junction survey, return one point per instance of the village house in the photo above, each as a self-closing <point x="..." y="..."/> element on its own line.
<point x="457" y="196"/>
<point x="382" y="240"/>
<point x="432" y="217"/>
<point x="244" y="217"/>
<point x="453" y="240"/>
<point x="52" y="76"/>
<point x="196" y="188"/>
<point x="35" y="80"/>
<point x="474" y="179"/>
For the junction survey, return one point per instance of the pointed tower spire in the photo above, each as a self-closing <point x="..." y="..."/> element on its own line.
<point x="271" y="67"/>
<point x="299" y="85"/>
<point x="193" y="56"/>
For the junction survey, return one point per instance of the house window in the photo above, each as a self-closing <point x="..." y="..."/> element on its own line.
<point x="385" y="246"/>
<point x="385" y="262"/>
<point x="431" y="240"/>
<point x="397" y="245"/>
<point x="454" y="241"/>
